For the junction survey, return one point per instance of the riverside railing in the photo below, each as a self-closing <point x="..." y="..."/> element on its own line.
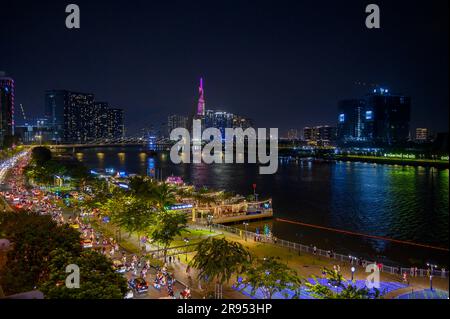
<point x="394" y="270"/>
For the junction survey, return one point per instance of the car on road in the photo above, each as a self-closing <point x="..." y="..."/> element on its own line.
<point x="87" y="243"/>
<point x="119" y="267"/>
<point x="129" y="294"/>
<point x="138" y="284"/>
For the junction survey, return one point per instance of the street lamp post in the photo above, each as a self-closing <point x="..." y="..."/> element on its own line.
<point x="245" y="225"/>
<point x="431" y="268"/>
<point x="186" y="240"/>
<point x="210" y="219"/>
<point x="353" y="272"/>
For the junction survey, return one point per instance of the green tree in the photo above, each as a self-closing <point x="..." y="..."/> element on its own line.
<point x="163" y="196"/>
<point x="270" y="276"/>
<point x="40" y="155"/>
<point x="343" y="289"/>
<point x="98" y="280"/>
<point x="44" y="174"/>
<point x="166" y="226"/>
<point x="33" y="237"/>
<point x="129" y="212"/>
<point x="143" y="187"/>
<point x="218" y="259"/>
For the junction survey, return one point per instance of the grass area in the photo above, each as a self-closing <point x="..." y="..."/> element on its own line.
<point x="125" y="242"/>
<point x="194" y="236"/>
<point x="393" y="159"/>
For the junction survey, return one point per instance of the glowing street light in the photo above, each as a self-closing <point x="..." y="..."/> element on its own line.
<point x="210" y="219"/>
<point x="245" y="225"/>
<point x="431" y="268"/>
<point x="353" y="269"/>
<point x="186" y="240"/>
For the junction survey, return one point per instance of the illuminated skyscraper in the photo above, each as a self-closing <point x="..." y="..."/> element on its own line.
<point x="201" y="100"/>
<point x="100" y="120"/>
<point x="115" y="123"/>
<point x="422" y="134"/>
<point x="76" y="117"/>
<point x="176" y="121"/>
<point x="6" y="107"/>
<point x="380" y="117"/>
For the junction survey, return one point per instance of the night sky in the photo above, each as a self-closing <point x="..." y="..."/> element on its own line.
<point x="283" y="63"/>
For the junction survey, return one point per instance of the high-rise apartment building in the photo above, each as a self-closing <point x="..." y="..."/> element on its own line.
<point x="6" y="107"/>
<point x="380" y="117"/>
<point x="176" y="121"/>
<point x="76" y="117"/>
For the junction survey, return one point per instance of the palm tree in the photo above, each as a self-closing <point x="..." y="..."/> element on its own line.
<point x="163" y="196"/>
<point x="218" y="259"/>
<point x="348" y="290"/>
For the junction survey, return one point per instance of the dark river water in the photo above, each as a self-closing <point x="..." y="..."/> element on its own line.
<point x="405" y="203"/>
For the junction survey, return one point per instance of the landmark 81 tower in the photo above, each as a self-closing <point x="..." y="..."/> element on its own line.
<point x="201" y="101"/>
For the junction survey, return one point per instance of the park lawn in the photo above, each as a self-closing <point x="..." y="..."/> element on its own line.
<point x="194" y="236"/>
<point x="125" y="242"/>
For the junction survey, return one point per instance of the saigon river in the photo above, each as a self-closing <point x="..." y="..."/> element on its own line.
<point x="399" y="202"/>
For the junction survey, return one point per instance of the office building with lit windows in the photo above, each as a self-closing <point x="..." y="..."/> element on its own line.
<point x="380" y="118"/>
<point x="422" y="135"/>
<point x="6" y="108"/>
<point x="76" y="117"/>
<point x="177" y="121"/>
<point x="321" y="133"/>
<point x="116" y="128"/>
<point x="100" y="122"/>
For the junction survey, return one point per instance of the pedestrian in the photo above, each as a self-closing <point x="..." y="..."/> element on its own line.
<point x="405" y="278"/>
<point x="314" y="250"/>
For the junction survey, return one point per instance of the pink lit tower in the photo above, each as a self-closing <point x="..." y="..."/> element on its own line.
<point x="201" y="100"/>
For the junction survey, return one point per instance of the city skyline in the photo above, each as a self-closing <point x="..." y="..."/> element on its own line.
<point x="263" y="65"/>
<point x="224" y="150"/>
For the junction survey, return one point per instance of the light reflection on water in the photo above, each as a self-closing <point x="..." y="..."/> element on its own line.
<point x="407" y="203"/>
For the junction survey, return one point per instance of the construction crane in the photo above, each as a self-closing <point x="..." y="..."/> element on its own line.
<point x="23" y="112"/>
<point x="362" y="83"/>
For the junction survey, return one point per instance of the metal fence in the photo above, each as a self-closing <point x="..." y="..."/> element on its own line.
<point x="351" y="260"/>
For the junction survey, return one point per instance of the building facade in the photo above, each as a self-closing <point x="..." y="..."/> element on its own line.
<point x="322" y="133"/>
<point x="115" y="123"/>
<point x="292" y="134"/>
<point x="76" y="117"/>
<point x="100" y="129"/>
<point x="379" y="118"/>
<point x="176" y="121"/>
<point x="422" y="135"/>
<point x="6" y="108"/>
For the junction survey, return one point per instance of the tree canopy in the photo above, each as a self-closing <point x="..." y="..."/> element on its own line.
<point x="270" y="276"/>
<point x="218" y="259"/>
<point x="343" y="289"/>
<point x="33" y="237"/>
<point x="98" y="280"/>
<point x="41" y="154"/>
